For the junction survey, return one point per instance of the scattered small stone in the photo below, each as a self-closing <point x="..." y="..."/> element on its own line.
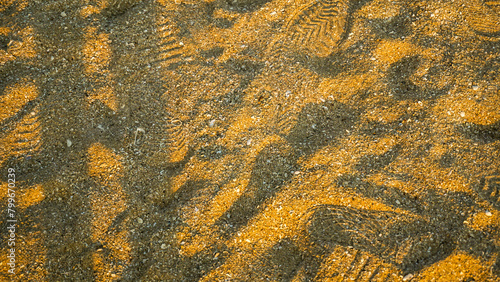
<point x="488" y="213"/>
<point x="211" y="123"/>
<point x="408" y="277"/>
<point x="139" y="220"/>
<point x="139" y="129"/>
<point x="163" y="246"/>
<point x="69" y="143"/>
<point x="63" y="14"/>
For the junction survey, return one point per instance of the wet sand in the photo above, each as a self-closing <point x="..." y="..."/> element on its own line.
<point x="220" y="140"/>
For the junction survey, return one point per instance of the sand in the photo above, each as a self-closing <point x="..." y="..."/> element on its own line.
<point x="237" y="140"/>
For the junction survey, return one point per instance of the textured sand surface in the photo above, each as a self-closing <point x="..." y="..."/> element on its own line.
<point x="238" y="140"/>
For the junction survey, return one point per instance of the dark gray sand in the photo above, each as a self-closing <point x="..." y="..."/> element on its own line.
<point x="237" y="140"/>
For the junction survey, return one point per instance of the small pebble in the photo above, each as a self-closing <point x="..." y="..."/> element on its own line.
<point x="69" y="143"/>
<point x="163" y="246"/>
<point x="408" y="277"/>
<point x="488" y="213"/>
<point x="211" y="123"/>
<point x="63" y="14"/>
<point x="139" y="220"/>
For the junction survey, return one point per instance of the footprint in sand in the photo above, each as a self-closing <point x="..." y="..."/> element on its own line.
<point x="315" y="28"/>
<point x="483" y="16"/>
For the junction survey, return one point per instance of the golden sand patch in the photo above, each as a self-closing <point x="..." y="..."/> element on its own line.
<point x="24" y="139"/>
<point x="106" y="95"/>
<point x="96" y="51"/>
<point x="391" y="51"/>
<point x="342" y="89"/>
<point x="481" y="221"/>
<point x="457" y="267"/>
<point x="108" y="200"/>
<point x="26" y="48"/>
<point x="5" y="30"/>
<point x="16" y="96"/>
<point x="89" y="10"/>
<point x="104" y="165"/>
<point x="471" y="104"/>
<point x="380" y="9"/>
<point x="32" y="196"/>
<point x="385" y="114"/>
